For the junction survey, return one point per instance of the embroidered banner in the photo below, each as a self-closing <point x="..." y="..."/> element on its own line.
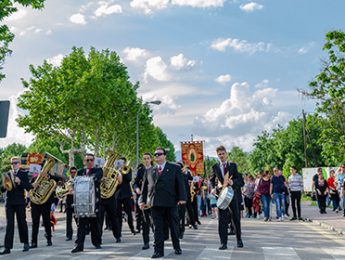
<point x="193" y="156"/>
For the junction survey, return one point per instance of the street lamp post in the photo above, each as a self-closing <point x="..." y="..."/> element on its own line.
<point x="155" y="102"/>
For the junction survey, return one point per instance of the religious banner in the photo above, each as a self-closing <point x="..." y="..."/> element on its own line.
<point x="193" y="156"/>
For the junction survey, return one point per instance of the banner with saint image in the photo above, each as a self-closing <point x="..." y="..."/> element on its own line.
<point x="193" y="156"/>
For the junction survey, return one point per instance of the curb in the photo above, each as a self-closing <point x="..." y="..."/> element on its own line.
<point x="340" y="231"/>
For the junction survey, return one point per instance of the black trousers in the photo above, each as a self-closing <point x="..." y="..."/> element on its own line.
<point x="195" y="209"/>
<point x="36" y="212"/>
<point x="93" y="223"/>
<point x="190" y="212"/>
<point x="182" y="217"/>
<point x="69" y="217"/>
<point x="159" y="216"/>
<point x="19" y="211"/>
<point x="146" y="225"/>
<point x="138" y="215"/>
<point x="248" y="202"/>
<point x="224" y="218"/>
<point x="108" y="206"/>
<point x="127" y="208"/>
<point x="296" y="200"/>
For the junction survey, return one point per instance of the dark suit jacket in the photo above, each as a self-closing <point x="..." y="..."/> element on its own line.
<point x="186" y="178"/>
<point x="164" y="190"/>
<point x="138" y="181"/>
<point x="124" y="190"/>
<point x="217" y="176"/>
<point x="16" y="195"/>
<point x="97" y="174"/>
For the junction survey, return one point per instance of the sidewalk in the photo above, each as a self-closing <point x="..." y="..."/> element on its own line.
<point x="58" y="215"/>
<point x="332" y="220"/>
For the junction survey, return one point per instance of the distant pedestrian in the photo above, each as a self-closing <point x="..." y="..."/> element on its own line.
<point x="322" y="193"/>
<point x="333" y="191"/>
<point x="264" y="191"/>
<point x="295" y="183"/>
<point x="277" y="188"/>
<point x="248" y="193"/>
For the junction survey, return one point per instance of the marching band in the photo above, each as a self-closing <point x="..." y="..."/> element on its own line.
<point x="165" y="194"/>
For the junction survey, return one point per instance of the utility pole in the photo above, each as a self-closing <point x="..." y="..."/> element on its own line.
<point x="305" y="139"/>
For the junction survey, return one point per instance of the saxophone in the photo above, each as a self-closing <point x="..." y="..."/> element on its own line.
<point x="192" y="191"/>
<point x="44" y="188"/>
<point x="110" y="176"/>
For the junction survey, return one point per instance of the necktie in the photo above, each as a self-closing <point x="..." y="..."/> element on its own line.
<point x="224" y="169"/>
<point x="88" y="171"/>
<point x="159" y="170"/>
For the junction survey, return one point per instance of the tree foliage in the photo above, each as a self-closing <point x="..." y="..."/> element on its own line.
<point x="7" y="7"/>
<point x="328" y="89"/>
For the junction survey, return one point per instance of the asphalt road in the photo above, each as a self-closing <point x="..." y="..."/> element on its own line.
<point x="262" y="240"/>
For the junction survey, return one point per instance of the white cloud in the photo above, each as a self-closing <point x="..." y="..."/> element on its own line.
<point x="241" y="46"/>
<point x="156" y="69"/>
<point x="56" y="60"/>
<point x="262" y="84"/>
<point x="305" y="49"/>
<point x="222" y="79"/>
<point x="243" y="116"/>
<point x="21" y="13"/>
<point x="199" y="3"/>
<point x="180" y="62"/>
<point x="149" y="6"/>
<point x="135" y="54"/>
<point x="49" y="32"/>
<point x="106" y="8"/>
<point x="251" y="7"/>
<point x="78" y="19"/>
<point x="15" y="134"/>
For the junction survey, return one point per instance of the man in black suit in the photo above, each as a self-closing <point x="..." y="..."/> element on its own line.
<point x="69" y="207"/>
<point x="93" y="222"/>
<point x="235" y="180"/>
<point x="163" y="188"/>
<point x="123" y="196"/>
<point x="138" y="181"/>
<point x="15" y="204"/>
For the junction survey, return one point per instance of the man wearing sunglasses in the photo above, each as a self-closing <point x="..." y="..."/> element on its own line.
<point x="163" y="188"/>
<point x="15" y="204"/>
<point x="97" y="174"/>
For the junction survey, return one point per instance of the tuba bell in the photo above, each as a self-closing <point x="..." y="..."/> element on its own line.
<point x="109" y="180"/>
<point x="45" y="187"/>
<point x="7" y="181"/>
<point x="63" y="191"/>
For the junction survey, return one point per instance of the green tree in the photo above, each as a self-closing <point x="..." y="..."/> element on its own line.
<point x="7" y="7"/>
<point x="241" y="158"/>
<point x="164" y="142"/>
<point x="8" y="152"/>
<point x="328" y="89"/>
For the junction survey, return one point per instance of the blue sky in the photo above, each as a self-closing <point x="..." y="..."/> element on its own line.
<point x="225" y="70"/>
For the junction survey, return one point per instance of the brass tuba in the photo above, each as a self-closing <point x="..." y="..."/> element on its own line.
<point x="62" y="191"/>
<point x="110" y="176"/>
<point x="7" y="181"/>
<point x="45" y="187"/>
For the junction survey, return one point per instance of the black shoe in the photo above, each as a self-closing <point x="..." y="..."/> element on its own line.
<point x="300" y="218"/>
<point x="49" y="243"/>
<point x="157" y="255"/>
<point x="69" y="239"/>
<point x="98" y="247"/>
<point x="178" y="251"/>
<point x="146" y="246"/>
<point x="293" y="218"/>
<point x="33" y="245"/>
<point x="199" y="223"/>
<point x="6" y="251"/>
<point x="77" y="249"/>
<point x="118" y="240"/>
<point x="239" y="243"/>
<point x="223" y="247"/>
<point x="26" y="247"/>
<point x="195" y="226"/>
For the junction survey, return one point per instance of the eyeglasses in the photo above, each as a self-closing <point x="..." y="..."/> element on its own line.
<point x="73" y="172"/>
<point x="89" y="160"/>
<point x="158" y="154"/>
<point x="13" y="163"/>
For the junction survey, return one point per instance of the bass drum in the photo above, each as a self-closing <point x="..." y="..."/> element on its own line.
<point x="84" y="197"/>
<point x="225" y="197"/>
